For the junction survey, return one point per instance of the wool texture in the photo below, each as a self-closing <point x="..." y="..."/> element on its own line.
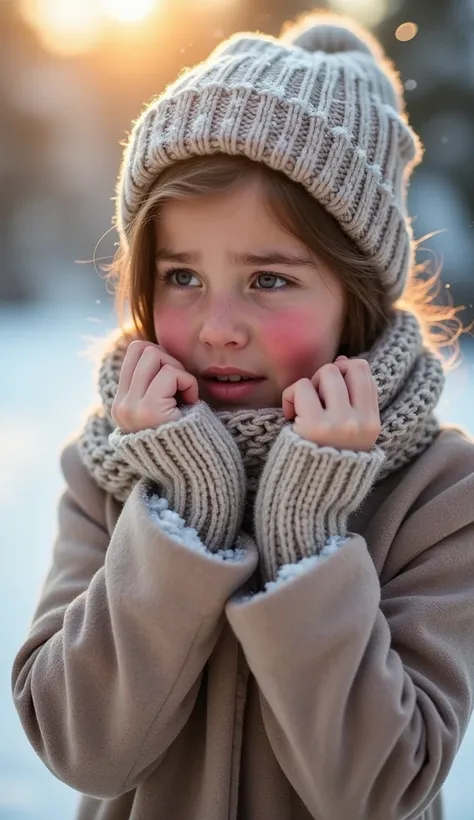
<point x="305" y="497"/>
<point x="322" y="105"/>
<point x="409" y="378"/>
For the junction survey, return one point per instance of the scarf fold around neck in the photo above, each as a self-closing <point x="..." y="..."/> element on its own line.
<point x="409" y="379"/>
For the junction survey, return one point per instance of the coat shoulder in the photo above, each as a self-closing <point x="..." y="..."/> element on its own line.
<point x="437" y="489"/>
<point x="449" y="459"/>
<point x="456" y="440"/>
<point x="428" y="502"/>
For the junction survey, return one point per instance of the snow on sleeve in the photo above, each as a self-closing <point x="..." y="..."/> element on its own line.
<point x="175" y="527"/>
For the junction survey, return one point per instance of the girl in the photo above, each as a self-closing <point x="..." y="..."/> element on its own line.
<point x="261" y="601"/>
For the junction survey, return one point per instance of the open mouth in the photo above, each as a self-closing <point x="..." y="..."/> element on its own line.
<point x="231" y="387"/>
<point x="232" y="378"/>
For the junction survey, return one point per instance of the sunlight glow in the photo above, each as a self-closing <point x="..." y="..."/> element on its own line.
<point x="221" y="3"/>
<point x="367" y="12"/>
<point x="70" y="27"/>
<point x="66" y="27"/>
<point x="128" y="11"/>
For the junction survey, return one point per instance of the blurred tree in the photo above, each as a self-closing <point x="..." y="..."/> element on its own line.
<point x="441" y="61"/>
<point x="437" y="66"/>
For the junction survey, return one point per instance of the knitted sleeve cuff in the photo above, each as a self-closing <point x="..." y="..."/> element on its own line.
<point x="198" y="469"/>
<point x="305" y="496"/>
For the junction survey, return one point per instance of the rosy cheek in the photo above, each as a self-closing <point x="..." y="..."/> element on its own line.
<point x="293" y="345"/>
<point x="172" y="335"/>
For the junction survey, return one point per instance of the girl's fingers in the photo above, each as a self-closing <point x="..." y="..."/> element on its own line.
<point x="361" y="387"/>
<point x="152" y="359"/>
<point x="188" y="387"/>
<point x="357" y="377"/>
<point x="148" y="366"/>
<point x="288" y="402"/>
<point x="329" y="383"/>
<point x="166" y="358"/>
<point x="171" y="380"/>
<point x="132" y="356"/>
<point x="300" y="398"/>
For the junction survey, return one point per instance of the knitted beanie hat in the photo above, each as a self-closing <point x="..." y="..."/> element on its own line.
<point x="320" y="104"/>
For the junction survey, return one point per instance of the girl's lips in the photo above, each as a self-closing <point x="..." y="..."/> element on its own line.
<point x="231" y="391"/>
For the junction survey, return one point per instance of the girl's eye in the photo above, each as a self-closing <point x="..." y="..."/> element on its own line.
<point x="267" y="281"/>
<point x="182" y="279"/>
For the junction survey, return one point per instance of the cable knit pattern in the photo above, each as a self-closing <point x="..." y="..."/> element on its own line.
<point x="198" y="469"/>
<point x="305" y="497"/>
<point x="321" y="106"/>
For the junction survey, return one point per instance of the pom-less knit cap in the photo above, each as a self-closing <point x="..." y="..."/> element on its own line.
<point x="321" y="104"/>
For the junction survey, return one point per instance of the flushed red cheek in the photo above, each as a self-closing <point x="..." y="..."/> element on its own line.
<point x="171" y="331"/>
<point x="294" y="346"/>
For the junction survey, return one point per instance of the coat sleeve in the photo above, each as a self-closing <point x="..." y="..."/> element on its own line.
<point x="110" y="670"/>
<point x="367" y="689"/>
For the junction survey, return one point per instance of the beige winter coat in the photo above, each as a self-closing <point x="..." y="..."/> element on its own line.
<point x="153" y="681"/>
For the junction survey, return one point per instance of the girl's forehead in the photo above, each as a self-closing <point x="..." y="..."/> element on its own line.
<point x="247" y="194"/>
<point x="242" y="211"/>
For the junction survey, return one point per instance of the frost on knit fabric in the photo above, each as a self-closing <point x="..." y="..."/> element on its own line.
<point x="290" y="572"/>
<point x="174" y="526"/>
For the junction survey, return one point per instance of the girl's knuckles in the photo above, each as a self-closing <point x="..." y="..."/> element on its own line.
<point x="126" y="414"/>
<point x="360" y="365"/>
<point x="331" y="370"/>
<point x="136" y="346"/>
<point x="351" y="427"/>
<point x="297" y="386"/>
<point x="151" y="354"/>
<point x="350" y="434"/>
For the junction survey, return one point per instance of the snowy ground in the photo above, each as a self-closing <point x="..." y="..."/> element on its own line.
<point x="46" y="388"/>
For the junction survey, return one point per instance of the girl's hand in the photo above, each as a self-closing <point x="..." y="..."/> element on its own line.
<point x="338" y="407"/>
<point x="146" y="393"/>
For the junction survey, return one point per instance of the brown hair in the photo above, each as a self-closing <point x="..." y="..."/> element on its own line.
<point x="368" y="309"/>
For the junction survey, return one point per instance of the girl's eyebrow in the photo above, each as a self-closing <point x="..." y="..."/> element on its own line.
<point x="166" y="255"/>
<point x="270" y="257"/>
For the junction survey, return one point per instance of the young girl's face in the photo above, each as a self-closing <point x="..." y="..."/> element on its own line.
<point x="234" y="290"/>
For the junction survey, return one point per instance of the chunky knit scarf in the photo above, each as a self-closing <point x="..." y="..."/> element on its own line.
<point x="409" y="380"/>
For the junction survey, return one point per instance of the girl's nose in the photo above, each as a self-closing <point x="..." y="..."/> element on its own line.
<point x="224" y="327"/>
